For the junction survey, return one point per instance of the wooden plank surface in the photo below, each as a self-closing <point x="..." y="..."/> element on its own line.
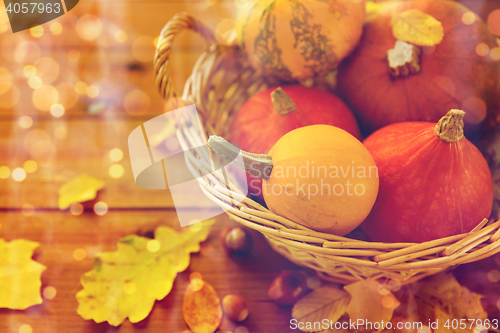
<point x="61" y="233"/>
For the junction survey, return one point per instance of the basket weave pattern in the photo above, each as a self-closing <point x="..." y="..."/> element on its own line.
<point x="220" y="83"/>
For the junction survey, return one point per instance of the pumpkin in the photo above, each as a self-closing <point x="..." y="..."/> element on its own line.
<point x="434" y="182"/>
<point x="446" y="76"/>
<point x="298" y="39"/>
<point x="319" y="176"/>
<point x="270" y="114"/>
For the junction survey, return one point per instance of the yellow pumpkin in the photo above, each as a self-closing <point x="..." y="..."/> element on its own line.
<point x="297" y="39"/>
<point x="319" y="176"/>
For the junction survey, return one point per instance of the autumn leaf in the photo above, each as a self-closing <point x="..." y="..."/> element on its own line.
<point x="416" y="27"/>
<point x="126" y="283"/>
<point x="441" y="297"/>
<point x="370" y="302"/>
<point x="324" y="303"/>
<point x="201" y="307"/>
<point x="78" y="189"/>
<point x="19" y="275"/>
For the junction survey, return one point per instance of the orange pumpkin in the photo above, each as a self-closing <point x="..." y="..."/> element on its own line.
<point x="319" y="176"/>
<point x="295" y="40"/>
<point x="434" y="182"/>
<point x="451" y="74"/>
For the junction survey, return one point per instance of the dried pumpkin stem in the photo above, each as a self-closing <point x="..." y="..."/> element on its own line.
<point x="282" y="103"/>
<point x="450" y="128"/>
<point x="403" y="59"/>
<point x="258" y="165"/>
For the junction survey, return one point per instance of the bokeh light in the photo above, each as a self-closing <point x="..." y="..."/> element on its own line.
<point x="475" y="109"/>
<point x="4" y="172"/>
<point x="388" y="302"/>
<point x="29" y="71"/>
<point x="35" y="82"/>
<point x="30" y="166"/>
<point x="494" y="22"/>
<point x="47" y="69"/>
<point x="76" y="209"/>
<point x="241" y="329"/>
<point x="79" y="254"/>
<point x="143" y="48"/>
<point x="116" y="154"/>
<point x="212" y="2"/>
<point x="5" y="80"/>
<point x="116" y="171"/>
<point x="495" y="53"/>
<point x="136" y="102"/>
<point x="195" y="275"/>
<point x="68" y="97"/>
<point x="313" y="282"/>
<point x="10" y="43"/>
<point x="60" y="132"/>
<point x="88" y="27"/>
<point x="28" y="210"/>
<point x="92" y="91"/>
<point x="57" y="110"/>
<point x="121" y="36"/>
<point x="56" y="28"/>
<point x="25" y="328"/>
<point x="25" y="122"/>
<point x="27" y="52"/>
<point x="468" y="18"/>
<point x="153" y="246"/>
<point x="37" y="142"/>
<point x="196" y="284"/>
<point x="493" y="276"/>
<point x="37" y="31"/>
<point x="73" y="55"/>
<point x="482" y="49"/>
<point x="9" y="98"/>
<point x="18" y="174"/>
<point x="49" y="292"/>
<point x="81" y="87"/>
<point x="44" y="97"/>
<point x="100" y="208"/>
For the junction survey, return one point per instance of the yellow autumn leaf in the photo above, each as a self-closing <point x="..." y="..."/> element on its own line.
<point x="370" y="302"/>
<point x="19" y="275"/>
<point x="79" y="189"/>
<point x="441" y="298"/>
<point x="323" y="305"/>
<point x="416" y="27"/>
<point x="126" y="283"/>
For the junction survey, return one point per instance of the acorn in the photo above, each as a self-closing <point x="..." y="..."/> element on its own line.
<point x="236" y="240"/>
<point x="235" y="307"/>
<point x="288" y="287"/>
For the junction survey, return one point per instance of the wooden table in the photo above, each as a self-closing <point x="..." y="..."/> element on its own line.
<point x="80" y="141"/>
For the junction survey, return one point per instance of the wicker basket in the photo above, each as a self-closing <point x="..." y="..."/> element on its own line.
<point x="221" y="82"/>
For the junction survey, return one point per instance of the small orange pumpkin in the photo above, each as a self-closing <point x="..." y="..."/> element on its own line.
<point x="319" y="176"/>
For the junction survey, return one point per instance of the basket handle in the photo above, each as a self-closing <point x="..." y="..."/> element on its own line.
<point x="177" y="24"/>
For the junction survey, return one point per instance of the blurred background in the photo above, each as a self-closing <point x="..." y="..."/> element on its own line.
<point x="71" y="91"/>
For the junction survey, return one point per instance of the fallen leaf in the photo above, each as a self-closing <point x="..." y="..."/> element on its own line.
<point x="442" y="298"/>
<point x="416" y="27"/>
<point x="323" y="305"/>
<point x="19" y="275"/>
<point x="79" y="189"/>
<point x="201" y="307"/>
<point x="370" y="302"/>
<point x="126" y="283"/>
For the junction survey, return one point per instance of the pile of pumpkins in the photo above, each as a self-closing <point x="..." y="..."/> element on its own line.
<point x="407" y="172"/>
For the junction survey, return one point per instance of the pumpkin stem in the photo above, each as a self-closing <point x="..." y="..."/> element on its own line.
<point x="404" y="59"/>
<point x="282" y="103"/>
<point x="258" y="165"/>
<point x="450" y="128"/>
